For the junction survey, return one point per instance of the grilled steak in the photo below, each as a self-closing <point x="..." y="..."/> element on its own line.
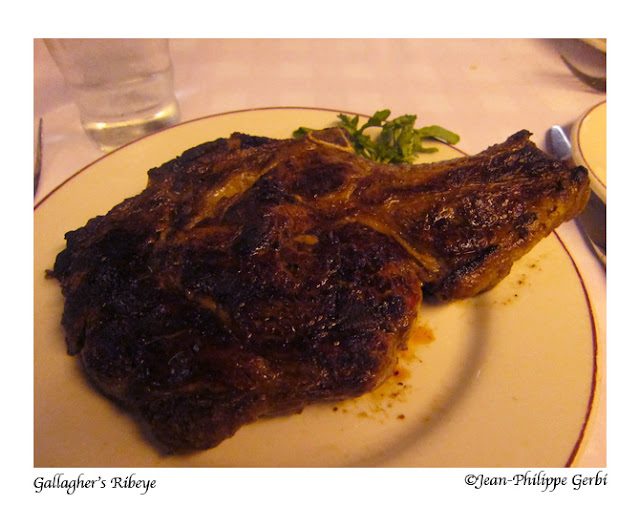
<point x="254" y="276"/>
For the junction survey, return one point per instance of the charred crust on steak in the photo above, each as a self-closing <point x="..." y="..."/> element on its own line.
<point x="254" y="276"/>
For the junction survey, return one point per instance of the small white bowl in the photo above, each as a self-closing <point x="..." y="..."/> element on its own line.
<point x="589" y="147"/>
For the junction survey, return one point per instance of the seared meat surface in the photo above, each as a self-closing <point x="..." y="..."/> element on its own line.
<point x="254" y="276"/>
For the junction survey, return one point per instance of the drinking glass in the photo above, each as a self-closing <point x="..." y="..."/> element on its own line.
<point x="123" y="87"/>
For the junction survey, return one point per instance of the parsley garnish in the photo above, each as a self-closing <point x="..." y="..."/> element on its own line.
<point x="399" y="141"/>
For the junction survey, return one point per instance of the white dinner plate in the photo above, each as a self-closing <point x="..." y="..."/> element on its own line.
<point x="589" y="147"/>
<point x="506" y="379"/>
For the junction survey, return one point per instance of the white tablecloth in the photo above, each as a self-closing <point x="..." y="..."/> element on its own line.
<point x="484" y="89"/>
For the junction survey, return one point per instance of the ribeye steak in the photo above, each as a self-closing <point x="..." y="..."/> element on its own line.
<point x="254" y="276"/>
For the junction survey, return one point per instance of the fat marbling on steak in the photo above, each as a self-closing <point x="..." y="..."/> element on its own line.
<point x="254" y="276"/>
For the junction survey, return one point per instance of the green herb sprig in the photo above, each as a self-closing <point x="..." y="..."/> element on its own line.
<point x="399" y="141"/>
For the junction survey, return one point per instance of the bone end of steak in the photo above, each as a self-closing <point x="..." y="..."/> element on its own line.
<point x="467" y="220"/>
<point x="254" y="276"/>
